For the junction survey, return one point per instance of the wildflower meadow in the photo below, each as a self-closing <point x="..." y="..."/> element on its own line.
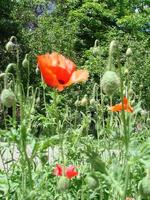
<point x="74" y="100"/>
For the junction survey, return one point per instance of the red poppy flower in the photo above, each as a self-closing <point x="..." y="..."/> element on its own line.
<point x="69" y="172"/>
<point x="60" y="72"/>
<point x="119" y="107"/>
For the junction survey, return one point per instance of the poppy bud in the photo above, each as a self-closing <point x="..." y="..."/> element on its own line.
<point x="38" y="100"/>
<point x="110" y="82"/>
<point x="141" y="86"/>
<point x="92" y="101"/>
<point x="144" y="186"/>
<point x="25" y="62"/>
<point x="84" y="101"/>
<point x="8" y="98"/>
<point x="10" y="45"/>
<point x="130" y="92"/>
<point x="62" y="184"/>
<point x="37" y="70"/>
<point x="9" y="66"/>
<point x="126" y="71"/>
<point x="113" y="47"/>
<point x="91" y="182"/>
<point x="77" y="102"/>
<point x="96" y="49"/>
<point x="129" y="52"/>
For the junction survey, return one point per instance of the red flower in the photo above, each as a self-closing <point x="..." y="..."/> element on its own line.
<point x="60" y="72"/>
<point x="119" y="107"/>
<point x="69" y="172"/>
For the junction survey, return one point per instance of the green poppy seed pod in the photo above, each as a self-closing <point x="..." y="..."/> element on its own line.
<point x="144" y="186"/>
<point x="8" y="98"/>
<point x="91" y="182"/>
<point x="110" y="82"/>
<point x="113" y="47"/>
<point x="129" y="52"/>
<point x="62" y="184"/>
<point x="84" y="100"/>
<point x="25" y="62"/>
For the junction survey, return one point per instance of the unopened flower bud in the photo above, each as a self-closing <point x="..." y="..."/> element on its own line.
<point x="141" y="86"/>
<point x="25" y="62"/>
<point x="38" y="100"/>
<point x="37" y="70"/>
<point x="9" y="66"/>
<point x="129" y="52"/>
<point x="62" y="184"/>
<point x="84" y="101"/>
<point x="10" y="45"/>
<point x="91" y="182"/>
<point x="96" y="49"/>
<point x="92" y="101"/>
<point x="126" y="71"/>
<point x="113" y="47"/>
<point x="144" y="186"/>
<point x="130" y="92"/>
<point x="110" y="82"/>
<point x="8" y="98"/>
<point x="77" y="102"/>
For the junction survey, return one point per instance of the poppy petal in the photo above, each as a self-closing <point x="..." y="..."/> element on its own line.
<point x="71" y="172"/>
<point x="78" y="76"/>
<point x="58" y="170"/>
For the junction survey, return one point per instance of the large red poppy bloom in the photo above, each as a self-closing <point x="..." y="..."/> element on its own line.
<point x="69" y="172"/>
<point x="59" y="72"/>
<point x="119" y="107"/>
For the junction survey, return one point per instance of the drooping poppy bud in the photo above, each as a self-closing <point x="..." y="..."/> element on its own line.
<point x="92" y="101"/>
<point x="8" y="98"/>
<point x="10" y="46"/>
<point x="84" y="100"/>
<point x="25" y="62"/>
<point x="91" y="181"/>
<point x="96" y="49"/>
<point x="144" y="186"/>
<point x="129" y="52"/>
<point x="63" y="184"/>
<point x="110" y="82"/>
<point x="113" y="48"/>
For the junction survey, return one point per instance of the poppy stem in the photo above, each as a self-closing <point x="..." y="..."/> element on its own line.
<point x="125" y="130"/>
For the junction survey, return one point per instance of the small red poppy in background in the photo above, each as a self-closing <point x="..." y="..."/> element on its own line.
<point x="60" y="72"/>
<point x="69" y="172"/>
<point x="119" y="107"/>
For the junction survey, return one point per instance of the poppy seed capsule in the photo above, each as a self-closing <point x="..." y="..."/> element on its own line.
<point x="8" y="98"/>
<point x="110" y="82"/>
<point x="62" y="184"/>
<point x="91" y="182"/>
